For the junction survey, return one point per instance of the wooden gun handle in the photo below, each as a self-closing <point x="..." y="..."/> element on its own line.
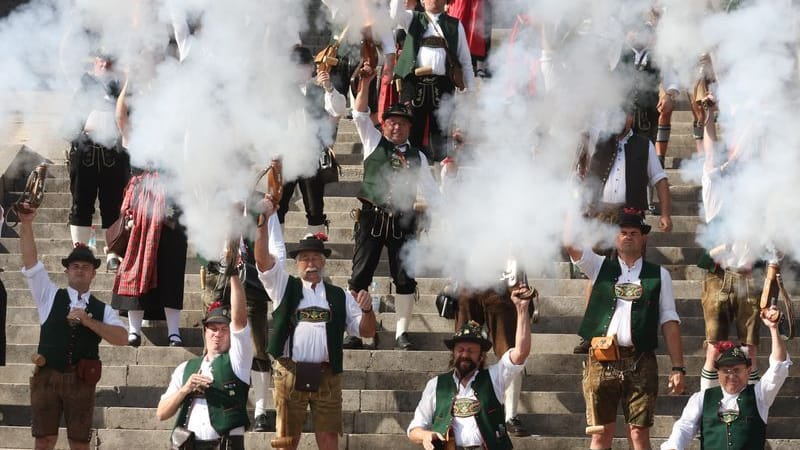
<point x="770" y="292"/>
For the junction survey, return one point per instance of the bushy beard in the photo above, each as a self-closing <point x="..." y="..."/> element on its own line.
<point x="465" y="366"/>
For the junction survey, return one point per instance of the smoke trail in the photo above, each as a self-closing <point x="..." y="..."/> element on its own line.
<point x="517" y="189"/>
<point x="753" y="48"/>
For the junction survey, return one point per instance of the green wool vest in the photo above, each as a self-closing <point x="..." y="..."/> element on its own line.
<point x="644" y="312"/>
<point x="747" y="432"/>
<point x="389" y="187"/>
<point x="226" y="398"/>
<point x="408" y="57"/>
<point x="56" y="336"/>
<point x="490" y="419"/>
<point x="283" y="326"/>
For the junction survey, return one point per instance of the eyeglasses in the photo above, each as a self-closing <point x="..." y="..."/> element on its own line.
<point x="316" y="259"/>
<point x="733" y="372"/>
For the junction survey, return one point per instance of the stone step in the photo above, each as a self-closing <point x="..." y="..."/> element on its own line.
<point x="20" y="438"/>
<point x="368" y="361"/>
<point x="387" y="403"/>
<point x="342" y="254"/>
<point x="425" y="285"/>
<point x="552" y="335"/>
<point x="155" y="376"/>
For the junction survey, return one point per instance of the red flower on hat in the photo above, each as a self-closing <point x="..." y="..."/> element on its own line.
<point x="321" y="236"/>
<point x="80" y="245"/>
<point x="724" y="346"/>
<point x="633" y="211"/>
<point x="214" y="306"/>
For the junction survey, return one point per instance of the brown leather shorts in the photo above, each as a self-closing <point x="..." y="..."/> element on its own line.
<point x="325" y="404"/>
<point x="54" y="393"/>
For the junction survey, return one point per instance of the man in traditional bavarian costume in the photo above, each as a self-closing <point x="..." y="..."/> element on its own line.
<point x="433" y="39"/>
<point x="209" y="393"/>
<point x="619" y="172"/>
<point x="465" y="404"/>
<point x="655" y="88"/>
<point x="73" y="322"/>
<point x="630" y="299"/>
<point x="99" y="167"/>
<point x="734" y="414"/>
<point x="394" y="172"/>
<point x="310" y="317"/>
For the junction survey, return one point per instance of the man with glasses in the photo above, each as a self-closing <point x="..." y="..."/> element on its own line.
<point x="394" y="173"/>
<point x="310" y="317"/>
<point x="734" y="414"/>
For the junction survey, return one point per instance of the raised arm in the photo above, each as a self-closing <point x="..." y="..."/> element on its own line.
<point x="264" y="259"/>
<point x="238" y="305"/>
<point x="522" y="340"/>
<point x="27" y="244"/>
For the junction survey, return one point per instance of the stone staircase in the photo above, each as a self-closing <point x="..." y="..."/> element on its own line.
<point x="381" y="387"/>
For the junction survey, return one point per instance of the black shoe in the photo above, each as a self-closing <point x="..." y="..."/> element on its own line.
<point x="175" y="340"/>
<point x="403" y="343"/>
<point x="582" y="348"/>
<point x="134" y="340"/>
<point x="261" y="424"/>
<point x="352" y="343"/>
<point x="514" y="428"/>
<point x="112" y="264"/>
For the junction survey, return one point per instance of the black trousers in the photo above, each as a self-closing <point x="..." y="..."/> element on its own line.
<point x="376" y="229"/>
<point x="3" y="306"/>
<point x="96" y="172"/>
<point x="425" y="94"/>
<point x="313" y="191"/>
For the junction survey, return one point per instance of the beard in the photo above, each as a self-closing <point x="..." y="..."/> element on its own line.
<point x="465" y="366"/>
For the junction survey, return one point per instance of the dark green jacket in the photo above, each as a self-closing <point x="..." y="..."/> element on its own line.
<point x="490" y="418"/>
<point x="283" y="326"/>
<point x="62" y="344"/>
<point x="644" y="312"/>
<point x="408" y="57"/>
<point x="386" y="184"/>
<point x="747" y="432"/>
<point x="226" y="398"/>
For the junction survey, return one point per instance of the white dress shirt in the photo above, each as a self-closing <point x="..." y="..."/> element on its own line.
<point x="370" y="137"/>
<point x="614" y="189"/>
<point x="310" y="340"/>
<point x="465" y="429"/>
<point x="436" y="58"/>
<point x="620" y="323"/>
<point x="44" y="295"/>
<point x="766" y="390"/>
<point x="241" y="354"/>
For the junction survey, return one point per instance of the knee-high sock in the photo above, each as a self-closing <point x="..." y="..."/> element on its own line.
<point x="403" y="305"/>
<point x="259" y="382"/>
<point x="173" y="320"/>
<point x="80" y="234"/>
<point x="135" y="321"/>
<point x="512" y="396"/>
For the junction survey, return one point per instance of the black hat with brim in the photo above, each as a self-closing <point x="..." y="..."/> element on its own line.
<point x="217" y="313"/>
<point x="309" y="244"/>
<point x="398" y="110"/>
<point x="81" y="253"/>
<point x="732" y="357"/>
<point x="471" y="331"/>
<point x="631" y="217"/>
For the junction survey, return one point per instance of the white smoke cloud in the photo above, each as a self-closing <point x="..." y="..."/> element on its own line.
<point x="753" y="48"/>
<point x="518" y="187"/>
